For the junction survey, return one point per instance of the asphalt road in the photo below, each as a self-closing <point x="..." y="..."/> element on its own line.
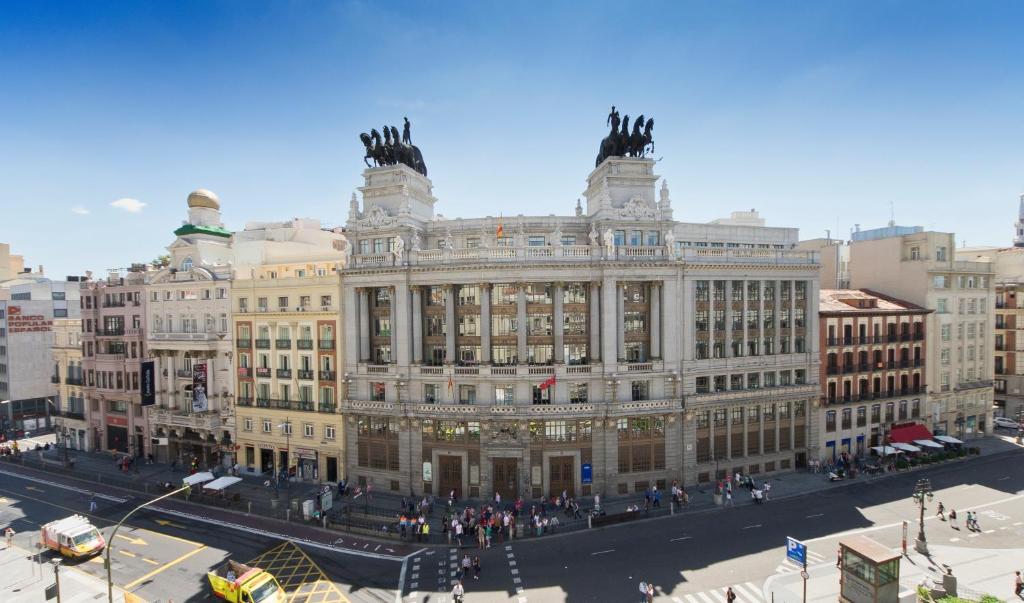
<point x="692" y="557"/>
<point x="161" y="558"/>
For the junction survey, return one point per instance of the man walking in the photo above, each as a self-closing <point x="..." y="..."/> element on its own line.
<point x="643" y="591"/>
<point x="92" y="503"/>
<point x="467" y="563"/>
<point x="458" y="592"/>
<point x="1018" y="584"/>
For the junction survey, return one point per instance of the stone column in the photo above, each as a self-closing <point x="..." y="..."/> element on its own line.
<point x="211" y="386"/>
<point x="170" y="368"/>
<point x="609" y="343"/>
<point x="594" y="351"/>
<point x="655" y="320"/>
<point x="746" y="331"/>
<point x="393" y="315"/>
<point x="620" y="325"/>
<point x="558" y="321"/>
<point x="792" y="316"/>
<point x="417" y="324"/>
<point x="689" y="450"/>
<point x="760" y="318"/>
<point x="728" y="434"/>
<point x="364" y="324"/>
<point x="760" y="429"/>
<point x="400" y="325"/>
<point x="451" y="326"/>
<point x="522" y="328"/>
<point x="746" y="433"/>
<point x="485" y="323"/>
<point x="711" y="317"/>
<point x="350" y="327"/>
<point x="728" y="318"/>
<point x="813" y="302"/>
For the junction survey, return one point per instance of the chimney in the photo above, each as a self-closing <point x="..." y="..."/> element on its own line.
<point x="40" y="270"/>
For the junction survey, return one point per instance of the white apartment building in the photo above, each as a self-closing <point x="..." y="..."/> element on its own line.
<point x="189" y="339"/>
<point x="920" y="267"/>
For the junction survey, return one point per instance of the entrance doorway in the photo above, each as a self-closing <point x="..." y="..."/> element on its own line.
<point x="267" y="461"/>
<point x="506" y="478"/>
<point x="332" y="469"/>
<point x="801" y="460"/>
<point x="561" y="470"/>
<point x="450" y="475"/>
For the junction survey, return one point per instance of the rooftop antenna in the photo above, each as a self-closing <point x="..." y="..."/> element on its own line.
<point x="892" y="214"/>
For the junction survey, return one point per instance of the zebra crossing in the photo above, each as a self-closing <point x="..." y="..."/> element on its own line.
<point x="747" y="592"/>
<point x="792" y="567"/>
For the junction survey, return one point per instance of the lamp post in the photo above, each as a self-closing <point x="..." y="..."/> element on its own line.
<point x="922" y="491"/>
<point x="286" y="427"/>
<point x="56" y="577"/>
<point x="110" y="542"/>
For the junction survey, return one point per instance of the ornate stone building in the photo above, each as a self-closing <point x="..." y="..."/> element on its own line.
<point x="72" y="426"/>
<point x="602" y="352"/>
<point x="189" y="335"/>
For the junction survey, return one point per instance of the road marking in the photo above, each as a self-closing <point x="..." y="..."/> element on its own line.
<point x="168" y="522"/>
<point x="815" y="515"/>
<point x="137" y="541"/>
<point x="756" y="525"/>
<point x="126" y="553"/>
<point x="602" y="552"/>
<point x="1004" y="478"/>
<point x="167" y="565"/>
<point x="681" y="538"/>
<point x="150" y="561"/>
<point x="34" y="489"/>
<point x="954" y="540"/>
<point x="706" y="598"/>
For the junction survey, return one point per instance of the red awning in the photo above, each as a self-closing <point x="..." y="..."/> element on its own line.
<point x="909" y="432"/>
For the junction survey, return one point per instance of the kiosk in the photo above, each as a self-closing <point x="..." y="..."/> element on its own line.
<point x="870" y="572"/>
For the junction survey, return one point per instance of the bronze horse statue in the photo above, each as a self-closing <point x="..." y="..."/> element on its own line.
<point x="621" y="142"/>
<point x="390" y="151"/>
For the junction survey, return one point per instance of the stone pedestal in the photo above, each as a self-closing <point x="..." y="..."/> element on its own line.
<point x="394" y="192"/>
<point x="623" y="187"/>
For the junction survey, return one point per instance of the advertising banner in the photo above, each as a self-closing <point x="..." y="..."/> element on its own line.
<point x="147" y="383"/>
<point x="199" y="401"/>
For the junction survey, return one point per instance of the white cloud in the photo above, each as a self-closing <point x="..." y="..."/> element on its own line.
<point x="78" y="209"/>
<point x="133" y="206"/>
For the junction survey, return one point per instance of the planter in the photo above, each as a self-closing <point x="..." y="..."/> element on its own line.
<point x="718" y="499"/>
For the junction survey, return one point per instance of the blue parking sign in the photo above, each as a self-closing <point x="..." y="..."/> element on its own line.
<point x="796" y="550"/>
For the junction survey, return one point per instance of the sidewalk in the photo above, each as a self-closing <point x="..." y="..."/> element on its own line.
<point x="978" y="572"/>
<point x="23" y="580"/>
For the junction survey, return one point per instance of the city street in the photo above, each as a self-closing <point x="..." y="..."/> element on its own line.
<point x="693" y="558"/>
<point x="162" y="558"/>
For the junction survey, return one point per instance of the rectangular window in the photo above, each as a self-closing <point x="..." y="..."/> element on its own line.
<point x="577" y="393"/>
<point x="329" y="432"/>
<point x="307" y="430"/>
<point x="504" y="394"/>
<point x="467" y="394"/>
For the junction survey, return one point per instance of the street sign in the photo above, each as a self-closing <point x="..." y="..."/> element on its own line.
<point x="796" y="550"/>
<point x="804" y="575"/>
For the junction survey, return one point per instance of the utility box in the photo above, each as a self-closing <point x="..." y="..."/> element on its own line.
<point x="870" y="572"/>
<point x="308" y="509"/>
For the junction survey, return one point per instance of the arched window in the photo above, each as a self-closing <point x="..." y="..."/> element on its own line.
<point x="186" y="264"/>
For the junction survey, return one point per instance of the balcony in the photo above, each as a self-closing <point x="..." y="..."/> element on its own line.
<point x="74" y="381"/>
<point x="283" y="344"/>
<point x="327" y="408"/>
<point x="244" y="371"/>
<point x="183" y="336"/>
<point x="183" y="373"/>
<point x="304" y="344"/>
<point x="328" y="375"/>
<point x="832" y="370"/>
<point x="248" y="402"/>
<point x="326" y="344"/>
<point x="113" y="304"/>
<point x="306" y="375"/>
<point x="243" y="343"/>
<point x="307" y="406"/>
<point x="284" y="373"/>
<point x="262" y="344"/>
<point x="262" y="371"/>
<point x="76" y="415"/>
<point x="119" y="332"/>
<point x="110" y="357"/>
<point x="205" y="421"/>
<point x="54" y="378"/>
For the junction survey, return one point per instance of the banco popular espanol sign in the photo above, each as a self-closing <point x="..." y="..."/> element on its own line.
<point x="24" y="323"/>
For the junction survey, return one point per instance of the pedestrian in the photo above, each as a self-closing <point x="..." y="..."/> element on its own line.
<point x="476" y="567"/>
<point x="650" y="592"/>
<point x="839" y="556"/>
<point x="767" y="489"/>
<point x="481" y="536"/>
<point x="9" y="535"/>
<point x="730" y="596"/>
<point x="643" y="591"/>
<point x="974" y="521"/>
<point x="466" y="564"/>
<point x="952" y="519"/>
<point x="458" y="531"/>
<point x="941" y="512"/>
<point x="92" y="503"/>
<point x="458" y="592"/>
<point x="1018" y="584"/>
<point x="728" y="498"/>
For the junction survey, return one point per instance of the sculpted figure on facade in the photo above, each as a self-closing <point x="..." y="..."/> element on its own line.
<point x="521" y="236"/>
<point x="416" y="240"/>
<point x="593" y="236"/>
<point x="556" y="236"/>
<point x="449" y="240"/>
<point x="609" y="244"/>
<point x="670" y="243"/>
<point x="399" y="249"/>
<point x="345" y="247"/>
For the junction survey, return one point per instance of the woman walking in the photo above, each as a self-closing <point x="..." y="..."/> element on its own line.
<point x="481" y="536"/>
<point x="476" y="567"/>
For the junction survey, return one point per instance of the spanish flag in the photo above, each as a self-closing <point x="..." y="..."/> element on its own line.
<point x="549" y="382"/>
<point x="451" y="386"/>
<point x="501" y="229"/>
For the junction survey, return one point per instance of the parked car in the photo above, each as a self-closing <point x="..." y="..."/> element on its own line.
<point x="1006" y="423"/>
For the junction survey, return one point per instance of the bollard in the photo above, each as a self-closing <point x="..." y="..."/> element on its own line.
<point x="325" y="521"/>
<point x="287" y="514"/>
<point x="590" y="521"/>
<point x="671" y="508"/>
<point x="250" y="508"/>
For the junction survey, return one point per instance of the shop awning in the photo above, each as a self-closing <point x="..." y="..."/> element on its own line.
<point x="928" y="443"/>
<point x="945" y="439"/>
<point x="198" y="478"/>
<point x="905" y="447"/>
<point x="222" y="483"/>
<point x="885" y="450"/>
<point x="909" y="433"/>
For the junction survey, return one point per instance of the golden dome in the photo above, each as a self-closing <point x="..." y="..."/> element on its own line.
<point x="203" y="198"/>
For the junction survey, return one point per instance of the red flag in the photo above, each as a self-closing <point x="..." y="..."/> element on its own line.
<point x="549" y="382"/>
<point x="501" y="230"/>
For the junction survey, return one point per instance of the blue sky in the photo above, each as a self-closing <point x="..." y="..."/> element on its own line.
<point x="818" y="114"/>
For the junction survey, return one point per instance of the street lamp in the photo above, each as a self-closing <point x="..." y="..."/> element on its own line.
<point x="922" y="490"/>
<point x="110" y="542"/>
<point x="286" y="427"/>
<point x="56" y="577"/>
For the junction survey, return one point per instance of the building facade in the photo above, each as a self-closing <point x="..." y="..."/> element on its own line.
<point x="535" y="355"/>
<point x="114" y="340"/>
<point x="29" y="304"/>
<point x="72" y="425"/>
<point x="873" y="358"/>
<point x="286" y="326"/>
<point x="919" y="267"/>
<point x="189" y="339"/>
<point x="1009" y="354"/>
